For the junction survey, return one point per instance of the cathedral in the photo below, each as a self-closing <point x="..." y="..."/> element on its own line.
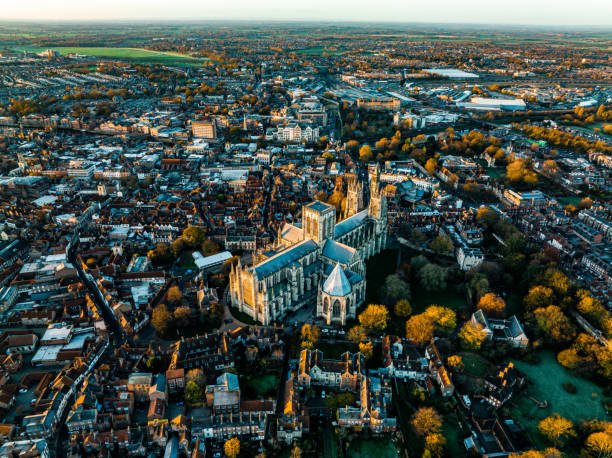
<point x="319" y="262"/>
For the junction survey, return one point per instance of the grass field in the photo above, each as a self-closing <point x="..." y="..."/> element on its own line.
<point x="475" y="365"/>
<point x="449" y="297"/>
<point x="548" y="378"/>
<point x="264" y="385"/>
<point x="569" y="200"/>
<point x="379" y="448"/>
<point x="318" y="51"/>
<point x="132" y="54"/>
<point x="377" y="269"/>
<point x="454" y="436"/>
<point x="241" y="316"/>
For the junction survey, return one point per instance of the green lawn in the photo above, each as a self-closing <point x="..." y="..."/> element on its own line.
<point x="336" y="350"/>
<point x="264" y="385"/>
<point x="454" y="436"/>
<point x="569" y="200"/>
<point x="475" y="365"/>
<point x="377" y="269"/>
<point x="548" y="378"/>
<point x="318" y="51"/>
<point x="241" y="316"/>
<point x="135" y="54"/>
<point x="372" y="448"/>
<point x="421" y="299"/>
<point x="514" y="305"/>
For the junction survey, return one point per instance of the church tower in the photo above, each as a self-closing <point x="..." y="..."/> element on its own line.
<point x="354" y="196"/>
<point x="378" y="201"/>
<point x="318" y="221"/>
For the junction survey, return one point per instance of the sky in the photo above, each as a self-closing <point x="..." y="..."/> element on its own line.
<point x="518" y="12"/>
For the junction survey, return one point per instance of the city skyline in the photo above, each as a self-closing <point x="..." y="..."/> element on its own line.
<point x="523" y="12"/>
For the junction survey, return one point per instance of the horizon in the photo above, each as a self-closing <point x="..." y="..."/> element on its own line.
<point x="522" y="13"/>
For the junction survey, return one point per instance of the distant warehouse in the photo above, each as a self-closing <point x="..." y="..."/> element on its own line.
<point x="486" y="104"/>
<point x="208" y="262"/>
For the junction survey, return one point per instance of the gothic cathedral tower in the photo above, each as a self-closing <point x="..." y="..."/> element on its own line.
<point x="378" y="201"/>
<point x="354" y="197"/>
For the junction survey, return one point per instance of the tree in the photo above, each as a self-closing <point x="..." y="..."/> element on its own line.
<point x="492" y="305"/>
<point x="569" y="358"/>
<point x="600" y="443"/>
<point x="442" y="244"/>
<point x="426" y="421"/>
<point x="553" y="322"/>
<point x="420" y="329"/>
<point x="296" y="451"/>
<point x="311" y="333"/>
<point x="431" y="165"/>
<point x="548" y="453"/>
<point x="587" y="202"/>
<point x="472" y="335"/>
<point x="365" y="153"/>
<point x="174" y="295"/>
<point x="161" y="319"/>
<point x="209" y="247"/>
<point x="556" y="428"/>
<point x="182" y="315"/>
<point x="403" y="308"/>
<point x="193" y="236"/>
<point x="432" y="277"/>
<point x="550" y="168"/>
<point x="367" y="349"/>
<point x="232" y="447"/>
<point x="444" y="319"/>
<point x="357" y="334"/>
<point x="352" y="146"/>
<point x="193" y="392"/>
<point x="434" y="444"/>
<point x="455" y="362"/>
<point x="519" y="170"/>
<point x="374" y="317"/>
<point x="197" y="376"/>
<point x="394" y="289"/>
<point x="538" y="296"/>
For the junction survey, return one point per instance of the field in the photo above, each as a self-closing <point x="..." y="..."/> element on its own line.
<point x="547" y="379"/>
<point x="377" y="269"/>
<point x="319" y="51"/>
<point x="379" y="448"/>
<point x="421" y="299"/>
<point x="475" y="365"/>
<point x="131" y="54"/>
<point x="454" y="435"/>
<point x="264" y="385"/>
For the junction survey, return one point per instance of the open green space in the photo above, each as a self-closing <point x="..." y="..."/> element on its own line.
<point x="589" y="129"/>
<point x="569" y="200"/>
<point x="514" y="305"/>
<point x="132" y="54"/>
<point x="263" y="385"/>
<point x="319" y="51"/>
<point x="454" y="436"/>
<point x="368" y="448"/>
<point x="547" y="379"/>
<point x="241" y="316"/>
<point x="475" y="364"/>
<point x="378" y="268"/>
<point x="546" y="384"/>
<point x="334" y="351"/>
<point x="449" y="297"/>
